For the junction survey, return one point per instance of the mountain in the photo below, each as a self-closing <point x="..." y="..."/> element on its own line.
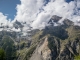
<point x="54" y="18"/>
<point x="56" y="42"/>
<point x="61" y="42"/>
<point x="17" y="24"/>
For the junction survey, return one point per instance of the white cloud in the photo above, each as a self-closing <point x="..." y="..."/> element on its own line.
<point x="3" y="19"/>
<point x="41" y="20"/>
<point x="28" y="9"/>
<point x="17" y="30"/>
<point x="78" y="3"/>
<point x="57" y="7"/>
<point x="39" y="13"/>
<point x="64" y="9"/>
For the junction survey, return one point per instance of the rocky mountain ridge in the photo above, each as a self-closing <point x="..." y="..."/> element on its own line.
<point x="61" y="42"/>
<point x="57" y="42"/>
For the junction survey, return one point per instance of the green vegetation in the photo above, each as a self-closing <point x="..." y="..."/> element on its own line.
<point x="58" y="31"/>
<point x="64" y="33"/>
<point x="36" y="37"/>
<point x="2" y="54"/>
<point x="8" y="45"/>
<point x="77" y="57"/>
<point x="51" y="42"/>
<point x="29" y="52"/>
<point x="73" y="32"/>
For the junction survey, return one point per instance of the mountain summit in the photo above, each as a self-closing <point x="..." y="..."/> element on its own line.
<point x="61" y="42"/>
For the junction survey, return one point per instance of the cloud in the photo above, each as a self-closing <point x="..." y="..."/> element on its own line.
<point x="78" y="3"/>
<point x="36" y="13"/>
<point x="40" y="12"/>
<point x="3" y="19"/>
<point x="16" y="30"/>
<point x="41" y="20"/>
<point x="28" y="9"/>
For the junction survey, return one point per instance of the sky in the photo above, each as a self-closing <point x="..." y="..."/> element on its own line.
<point x="38" y="12"/>
<point x="69" y="0"/>
<point x="8" y="7"/>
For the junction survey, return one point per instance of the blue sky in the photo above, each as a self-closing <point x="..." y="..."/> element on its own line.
<point x="8" y="7"/>
<point x="69" y="0"/>
<point x="38" y="11"/>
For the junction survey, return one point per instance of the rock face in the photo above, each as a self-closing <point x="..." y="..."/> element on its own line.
<point x="51" y="49"/>
<point x="59" y="43"/>
<point x="52" y="43"/>
<point x="54" y="19"/>
<point x="42" y="51"/>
